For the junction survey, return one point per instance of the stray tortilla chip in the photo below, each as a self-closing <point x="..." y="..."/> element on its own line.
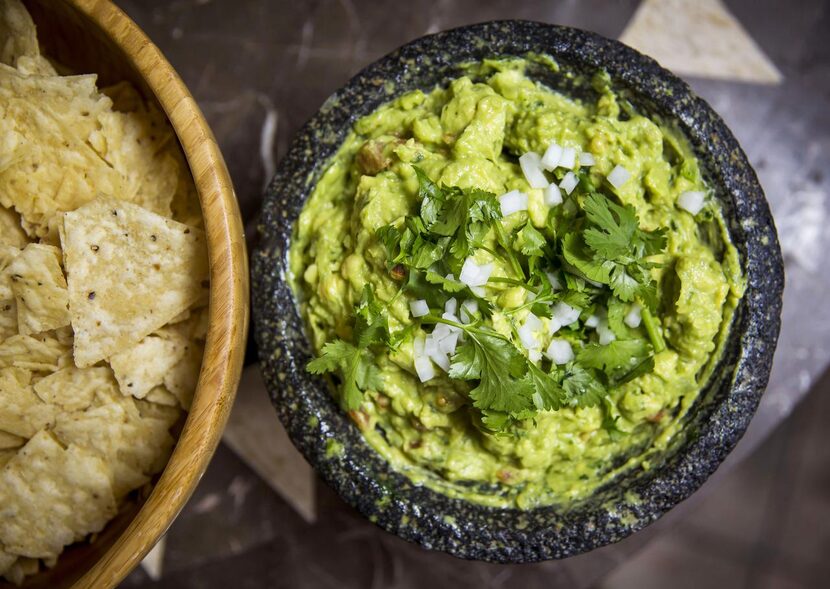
<point x="11" y="233"/>
<point x="8" y="319"/>
<point x="18" y="36"/>
<point x="73" y="389"/>
<point x="41" y="353"/>
<point x="129" y="272"/>
<point x="144" y="366"/>
<point x="39" y="289"/>
<point x="22" y="413"/>
<point x="10" y="441"/>
<point x="51" y="497"/>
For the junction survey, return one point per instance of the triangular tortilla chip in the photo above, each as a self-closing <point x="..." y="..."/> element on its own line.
<point x="5" y="456"/>
<point x="143" y="367"/>
<point x="129" y="272"/>
<point x="39" y="289"/>
<point x="8" y="253"/>
<point x="51" y="497"/>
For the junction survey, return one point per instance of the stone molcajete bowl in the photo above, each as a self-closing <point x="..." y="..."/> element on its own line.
<point x="469" y="530"/>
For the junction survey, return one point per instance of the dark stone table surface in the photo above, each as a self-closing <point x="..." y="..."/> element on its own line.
<point x="256" y="64"/>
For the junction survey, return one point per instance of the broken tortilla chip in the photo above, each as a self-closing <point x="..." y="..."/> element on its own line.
<point x="73" y="389"/>
<point x="129" y="272"/>
<point x="74" y="484"/>
<point x="10" y="441"/>
<point x="11" y="233"/>
<point x="18" y="36"/>
<point x="39" y="289"/>
<point x="22" y="413"/>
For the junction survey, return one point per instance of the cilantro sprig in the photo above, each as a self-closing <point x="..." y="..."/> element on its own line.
<point x="592" y="255"/>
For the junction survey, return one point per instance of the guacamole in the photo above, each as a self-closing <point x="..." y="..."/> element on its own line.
<point x="525" y="301"/>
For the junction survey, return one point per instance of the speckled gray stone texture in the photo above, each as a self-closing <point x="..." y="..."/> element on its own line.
<point x="416" y="513"/>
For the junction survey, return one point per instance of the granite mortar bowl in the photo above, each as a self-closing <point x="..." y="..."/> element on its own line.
<point x="461" y="528"/>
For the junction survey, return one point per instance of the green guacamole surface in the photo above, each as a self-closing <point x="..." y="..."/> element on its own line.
<point x="469" y="134"/>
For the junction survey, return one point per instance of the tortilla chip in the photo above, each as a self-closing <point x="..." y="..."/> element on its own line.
<point x="8" y="253"/>
<point x="18" y="36"/>
<point x="41" y="353"/>
<point x="144" y="366"/>
<point x="73" y="389"/>
<point x="183" y="377"/>
<point x="10" y="441"/>
<point x="161" y="396"/>
<point x="51" y="496"/>
<point x="39" y="289"/>
<point x="8" y="319"/>
<point x="11" y="233"/>
<point x="5" y="456"/>
<point x="22" y="413"/>
<point x="129" y="272"/>
<point x="135" y="447"/>
<point x="134" y="145"/>
<point x="165" y="416"/>
<point x="21" y="568"/>
<point x="6" y="559"/>
<point x="47" y="162"/>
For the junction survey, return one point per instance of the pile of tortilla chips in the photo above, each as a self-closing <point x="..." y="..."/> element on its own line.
<point x="103" y="299"/>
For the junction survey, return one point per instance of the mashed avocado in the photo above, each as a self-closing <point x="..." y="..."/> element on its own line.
<point x="470" y="135"/>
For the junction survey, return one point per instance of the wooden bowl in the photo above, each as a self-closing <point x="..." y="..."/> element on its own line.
<point x="94" y="36"/>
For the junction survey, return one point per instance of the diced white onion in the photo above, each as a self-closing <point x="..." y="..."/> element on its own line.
<point x="441" y="360"/>
<point x="569" y="182"/>
<point x="534" y="355"/>
<point x="513" y="202"/>
<point x="618" y="176"/>
<point x="449" y="343"/>
<point x="592" y="321"/>
<point x="568" y="159"/>
<point x="474" y="275"/>
<point x="424" y="369"/>
<point x="469" y="309"/>
<point x="633" y="318"/>
<point x="454" y="319"/>
<point x="531" y="164"/>
<point x="565" y="314"/>
<point x="553" y="325"/>
<point x="552" y="156"/>
<point x="586" y="159"/>
<point x="441" y="331"/>
<point x="606" y="336"/>
<point x="555" y="284"/>
<point x="553" y="196"/>
<point x="529" y="340"/>
<point x="691" y="201"/>
<point x="431" y="343"/>
<point x="419" y="308"/>
<point x="478" y="290"/>
<point x="533" y="322"/>
<point x="560" y="351"/>
<point x="451" y="306"/>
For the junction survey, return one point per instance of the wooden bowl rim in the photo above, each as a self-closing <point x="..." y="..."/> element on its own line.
<point x="229" y="300"/>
